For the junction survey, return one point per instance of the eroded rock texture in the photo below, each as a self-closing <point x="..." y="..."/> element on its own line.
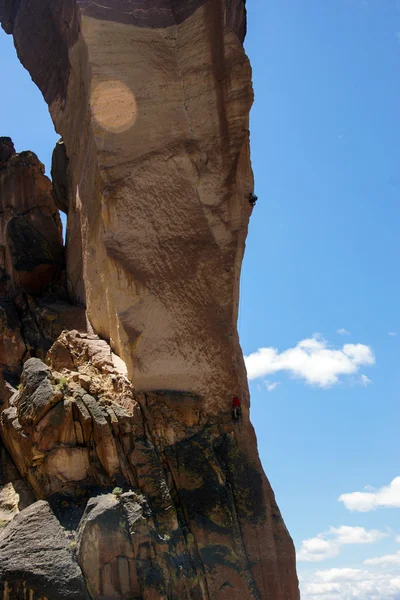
<point x="77" y="426"/>
<point x="152" y="101"/>
<point x="33" y="297"/>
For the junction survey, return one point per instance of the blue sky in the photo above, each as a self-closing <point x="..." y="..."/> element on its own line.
<point x="322" y="255"/>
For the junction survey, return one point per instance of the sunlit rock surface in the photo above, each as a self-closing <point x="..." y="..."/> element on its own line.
<point x="152" y="101"/>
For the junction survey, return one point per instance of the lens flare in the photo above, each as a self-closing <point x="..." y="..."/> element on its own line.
<point x="113" y="106"/>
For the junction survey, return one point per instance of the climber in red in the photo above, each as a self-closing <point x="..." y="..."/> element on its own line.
<point x="236" y="408"/>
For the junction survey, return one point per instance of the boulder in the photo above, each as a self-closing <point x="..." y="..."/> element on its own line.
<point x="105" y="550"/>
<point x="35" y="558"/>
<point x="38" y="394"/>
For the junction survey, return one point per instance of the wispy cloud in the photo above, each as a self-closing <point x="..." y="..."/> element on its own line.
<point x="387" y="497"/>
<point x="327" y="544"/>
<point x="392" y="333"/>
<point x="365" y="381"/>
<point x="388" y="559"/>
<point x="271" y="386"/>
<point x="343" y="331"/>
<point x="312" y="359"/>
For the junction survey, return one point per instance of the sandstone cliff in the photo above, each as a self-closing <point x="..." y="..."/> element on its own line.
<point x="152" y="101"/>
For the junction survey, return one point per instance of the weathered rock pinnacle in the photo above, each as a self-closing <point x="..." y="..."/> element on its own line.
<point x="152" y="101"/>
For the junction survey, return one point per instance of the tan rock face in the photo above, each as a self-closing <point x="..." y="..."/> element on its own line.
<point x="159" y="179"/>
<point x="152" y="100"/>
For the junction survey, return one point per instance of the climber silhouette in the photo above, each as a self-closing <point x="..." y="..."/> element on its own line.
<point x="236" y="408"/>
<point x="253" y="199"/>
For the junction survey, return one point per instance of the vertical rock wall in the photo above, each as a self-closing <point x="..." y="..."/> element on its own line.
<point x="152" y="100"/>
<point x="153" y="106"/>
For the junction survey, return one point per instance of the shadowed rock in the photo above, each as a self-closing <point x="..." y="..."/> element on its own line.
<point x="35" y="559"/>
<point x="6" y="150"/>
<point x="31" y="255"/>
<point x="59" y="176"/>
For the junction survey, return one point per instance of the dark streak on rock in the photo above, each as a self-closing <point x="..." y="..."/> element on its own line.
<point x="245" y="479"/>
<point x="160" y="13"/>
<point x="157" y="14"/>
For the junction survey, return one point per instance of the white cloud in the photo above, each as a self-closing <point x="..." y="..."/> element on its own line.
<point x="343" y="331"/>
<point x="327" y="544"/>
<point x="350" y="584"/>
<point x="317" y="549"/>
<point x="392" y="333"/>
<point x="271" y="386"/>
<point x="365" y="381"/>
<point x="388" y="497"/>
<point x="338" y="575"/>
<point x="398" y="539"/>
<point x="311" y="359"/>
<point x="388" y="559"/>
<point x="317" y="589"/>
<point x="356" y="535"/>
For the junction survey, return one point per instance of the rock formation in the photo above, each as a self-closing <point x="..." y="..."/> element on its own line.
<point x="31" y="250"/>
<point x="121" y="424"/>
<point x="34" y="308"/>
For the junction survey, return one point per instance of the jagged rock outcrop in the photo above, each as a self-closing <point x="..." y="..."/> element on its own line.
<point x="33" y="297"/>
<point x="152" y="101"/>
<point x="78" y="426"/>
<point x="31" y="248"/>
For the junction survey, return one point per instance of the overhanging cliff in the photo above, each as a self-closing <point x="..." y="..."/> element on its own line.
<point x="152" y="100"/>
